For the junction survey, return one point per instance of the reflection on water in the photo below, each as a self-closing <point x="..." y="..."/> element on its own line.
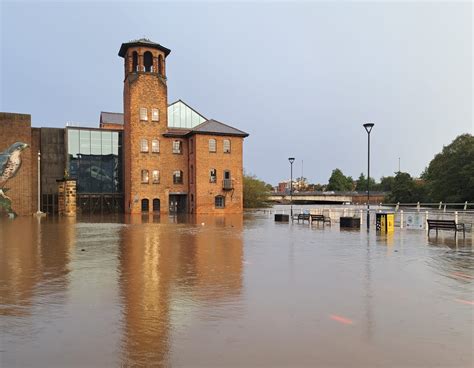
<point x="227" y="291"/>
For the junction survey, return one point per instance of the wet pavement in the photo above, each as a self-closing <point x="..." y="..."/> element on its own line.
<point x="231" y="291"/>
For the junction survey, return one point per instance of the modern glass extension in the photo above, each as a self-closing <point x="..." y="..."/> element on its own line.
<point x="181" y="115"/>
<point x="94" y="160"/>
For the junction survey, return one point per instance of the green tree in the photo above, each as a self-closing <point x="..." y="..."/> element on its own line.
<point x="256" y="192"/>
<point x="450" y="175"/>
<point x="339" y="182"/>
<point x="405" y="189"/>
<point x="361" y="184"/>
<point x="386" y="183"/>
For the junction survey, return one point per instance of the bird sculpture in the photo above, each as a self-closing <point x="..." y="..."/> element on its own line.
<point x="10" y="163"/>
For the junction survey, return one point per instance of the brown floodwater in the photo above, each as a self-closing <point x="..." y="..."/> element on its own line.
<point x="231" y="291"/>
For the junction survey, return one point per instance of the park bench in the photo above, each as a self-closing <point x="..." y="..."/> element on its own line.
<point x="445" y="225"/>
<point x="320" y="218"/>
<point x="303" y="216"/>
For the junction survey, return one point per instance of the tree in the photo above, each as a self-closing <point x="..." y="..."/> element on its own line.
<point x="339" y="182"/>
<point x="256" y="192"/>
<point x="406" y="190"/>
<point x="450" y="175"/>
<point x="361" y="184"/>
<point x="386" y="183"/>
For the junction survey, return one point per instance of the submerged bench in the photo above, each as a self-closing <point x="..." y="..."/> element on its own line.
<point x="320" y="218"/>
<point x="445" y="225"/>
<point x="303" y="216"/>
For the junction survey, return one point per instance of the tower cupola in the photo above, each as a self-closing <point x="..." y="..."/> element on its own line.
<point x="144" y="56"/>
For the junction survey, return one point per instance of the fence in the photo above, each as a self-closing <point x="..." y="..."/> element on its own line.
<point x="412" y="216"/>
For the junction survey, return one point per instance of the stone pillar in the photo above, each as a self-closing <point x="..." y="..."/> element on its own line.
<point x="67" y="197"/>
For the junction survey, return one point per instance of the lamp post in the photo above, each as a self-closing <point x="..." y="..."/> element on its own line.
<point x="38" y="212"/>
<point x="368" y="127"/>
<point x="291" y="159"/>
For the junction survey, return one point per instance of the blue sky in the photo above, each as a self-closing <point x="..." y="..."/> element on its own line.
<point x="300" y="77"/>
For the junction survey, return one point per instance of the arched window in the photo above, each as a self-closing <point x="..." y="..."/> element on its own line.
<point x="145" y="176"/>
<point x="155" y="177"/>
<point x="156" y="205"/>
<point x="219" y="201"/>
<point x="212" y="145"/>
<point x="143" y="145"/>
<point x="148" y="61"/>
<point x="145" y="205"/>
<point x="226" y="145"/>
<point x="160" y="65"/>
<point x="135" y="61"/>
<point x="155" y="146"/>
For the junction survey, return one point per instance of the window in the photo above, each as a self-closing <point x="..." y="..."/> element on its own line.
<point x="155" y="115"/>
<point x="212" y="145"/>
<point x="177" y="177"/>
<point x="156" y="205"/>
<point x="145" y="176"/>
<point x="143" y="114"/>
<point x="155" y="177"/>
<point x="135" y="61"/>
<point x="219" y="201"/>
<point x="148" y="61"/>
<point x="212" y="176"/>
<point x="143" y="145"/>
<point x="226" y="146"/>
<point x="176" y="146"/>
<point x="155" y="146"/>
<point x="145" y="205"/>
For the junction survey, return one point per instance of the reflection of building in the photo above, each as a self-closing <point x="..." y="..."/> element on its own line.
<point x="171" y="275"/>
<point x="154" y="157"/>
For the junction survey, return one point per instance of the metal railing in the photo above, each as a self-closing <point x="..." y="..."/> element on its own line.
<point x="227" y="184"/>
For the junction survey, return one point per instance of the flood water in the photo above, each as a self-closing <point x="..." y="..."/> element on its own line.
<point x="231" y="291"/>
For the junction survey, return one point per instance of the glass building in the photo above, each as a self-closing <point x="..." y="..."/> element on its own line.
<point x="181" y="115"/>
<point x="94" y="159"/>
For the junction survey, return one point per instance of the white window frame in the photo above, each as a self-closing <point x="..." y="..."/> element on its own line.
<point x="222" y="199"/>
<point x="179" y="175"/>
<point x="145" y="177"/>
<point x="155" y="146"/>
<point x="177" y="147"/>
<point x="155" y="115"/>
<point x="212" y="178"/>
<point x="228" y="148"/>
<point x="143" y="145"/>
<point x="155" y="176"/>
<point x="212" y="145"/>
<point x="143" y="114"/>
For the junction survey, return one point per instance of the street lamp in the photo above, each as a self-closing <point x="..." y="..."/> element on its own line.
<point x="291" y="159"/>
<point x="368" y="127"/>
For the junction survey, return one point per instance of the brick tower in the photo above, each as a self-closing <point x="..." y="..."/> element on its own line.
<point x="145" y="102"/>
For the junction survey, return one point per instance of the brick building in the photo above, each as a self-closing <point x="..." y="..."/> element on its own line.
<point x="153" y="157"/>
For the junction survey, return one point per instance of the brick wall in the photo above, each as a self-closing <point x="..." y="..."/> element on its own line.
<point x="17" y="128"/>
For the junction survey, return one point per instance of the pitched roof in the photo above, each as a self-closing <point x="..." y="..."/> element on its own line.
<point x="111" y="117"/>
<point x="142" y="42"/>
<point x="216" y="127"/>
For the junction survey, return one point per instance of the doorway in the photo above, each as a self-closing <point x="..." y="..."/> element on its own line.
<point x="177" y="203"/>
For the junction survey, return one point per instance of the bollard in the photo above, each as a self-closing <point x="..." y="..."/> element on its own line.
<point x="418" y="206"/>
<point x="440" y="205"/>
<point x="401" y="219"/>
<point x="444" y="208"/>
<point x="456" y="217"/>
<point x="465" y="206"/>
<point x="360" y="215"/>
<point x="426" y="221"/>
<point x="397" y="206"/>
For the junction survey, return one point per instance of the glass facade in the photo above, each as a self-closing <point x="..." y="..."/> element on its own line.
<point x="95" y="160"/>
<point x="181" y="116"/>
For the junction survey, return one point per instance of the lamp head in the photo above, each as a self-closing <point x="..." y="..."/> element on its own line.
<point x="368" y="127"/>
<point x="291" y="159"/>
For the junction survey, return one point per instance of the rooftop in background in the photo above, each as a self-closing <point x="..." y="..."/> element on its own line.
<point x="142" y="42"/>
<point x="182" y="120"/>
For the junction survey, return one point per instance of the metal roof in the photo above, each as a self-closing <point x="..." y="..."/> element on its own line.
<point x="216" y="127"/>
<point x="142" y="42"/>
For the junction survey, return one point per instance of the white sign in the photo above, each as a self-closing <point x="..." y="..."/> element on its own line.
<point x="414" y="221"/>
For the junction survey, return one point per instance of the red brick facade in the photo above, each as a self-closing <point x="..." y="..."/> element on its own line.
<point x="148" y="90"/>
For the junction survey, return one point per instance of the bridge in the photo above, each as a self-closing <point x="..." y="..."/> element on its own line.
<point x="325" y="197"/>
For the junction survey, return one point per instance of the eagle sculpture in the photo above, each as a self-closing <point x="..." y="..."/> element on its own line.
<point x="10" y="163"/>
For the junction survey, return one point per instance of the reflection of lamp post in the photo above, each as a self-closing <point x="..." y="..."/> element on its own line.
<point x="291" y="159"/>
<point x="368" y="127"/>
<point x="38" y="212"/>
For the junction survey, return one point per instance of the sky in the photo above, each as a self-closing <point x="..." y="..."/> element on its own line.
<point x="300" y="77"/>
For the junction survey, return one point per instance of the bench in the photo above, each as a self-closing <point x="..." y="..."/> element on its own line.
<point x="445" y="225"/>
<point x="303" y="216"/>
<point x="320" y="218"/>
